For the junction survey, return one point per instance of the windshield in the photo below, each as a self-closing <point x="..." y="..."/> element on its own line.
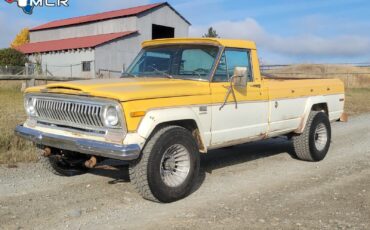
<point x="182" y="62"/>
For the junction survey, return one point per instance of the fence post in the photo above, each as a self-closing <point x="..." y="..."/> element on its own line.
<point x="348" y="84"/>
<point x="46" y="73"/>
<point x="31" y="81"/>
<point x="26" y="69"/>
<point x="25" y="73"/>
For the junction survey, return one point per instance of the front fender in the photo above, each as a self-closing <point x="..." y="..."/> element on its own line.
<point x="154" y="118"/>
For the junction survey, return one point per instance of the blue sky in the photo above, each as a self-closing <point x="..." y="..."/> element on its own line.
<point x="286" y="31"/>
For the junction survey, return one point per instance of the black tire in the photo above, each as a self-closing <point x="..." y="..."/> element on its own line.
<point x="304" y="144"/>
<point x="61" y="168"/>
<point x="145" y="173"/>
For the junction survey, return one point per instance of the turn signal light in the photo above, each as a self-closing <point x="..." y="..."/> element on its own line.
<point x="137" y="114"/>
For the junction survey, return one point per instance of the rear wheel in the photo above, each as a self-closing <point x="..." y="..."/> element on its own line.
<point x="65" y="164"/>
<point x="169" y="165"/>
<point x="313" y="144"/>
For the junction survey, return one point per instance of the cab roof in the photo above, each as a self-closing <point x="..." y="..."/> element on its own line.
<point x="213" y="41"/>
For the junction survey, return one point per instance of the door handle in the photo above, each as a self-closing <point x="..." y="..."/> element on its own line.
<point x="255" y="85"/>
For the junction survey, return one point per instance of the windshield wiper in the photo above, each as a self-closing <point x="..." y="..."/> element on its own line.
<point x="161" y="72"/>
<point x="127" y="74"/>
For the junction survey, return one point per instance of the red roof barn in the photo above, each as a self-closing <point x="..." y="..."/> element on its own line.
<point x="91" y="45"/>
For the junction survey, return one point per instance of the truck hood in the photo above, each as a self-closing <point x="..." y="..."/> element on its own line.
<point x="127" y="89"/>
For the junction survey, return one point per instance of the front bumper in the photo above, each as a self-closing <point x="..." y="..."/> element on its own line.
<point x="91" y="147"/>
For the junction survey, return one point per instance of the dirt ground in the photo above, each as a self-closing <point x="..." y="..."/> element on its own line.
<point x="252" y="186"/>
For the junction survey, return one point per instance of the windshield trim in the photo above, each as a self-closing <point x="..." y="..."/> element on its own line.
<point x="208" y="77"/>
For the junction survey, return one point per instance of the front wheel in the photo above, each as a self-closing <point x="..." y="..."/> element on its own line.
<point x="169" y="165"/>
<point x="313" y="144"/>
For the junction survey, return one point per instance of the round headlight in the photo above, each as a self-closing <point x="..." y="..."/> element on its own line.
<point x="30" y="104"/>
<point x="111" y="117"/>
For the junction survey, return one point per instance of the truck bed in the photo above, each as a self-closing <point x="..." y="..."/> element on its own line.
<point x="299" y="87"/>
<point x="291" y="99"/>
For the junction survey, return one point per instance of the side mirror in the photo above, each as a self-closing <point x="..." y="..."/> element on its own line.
<point x="239" y="78"/>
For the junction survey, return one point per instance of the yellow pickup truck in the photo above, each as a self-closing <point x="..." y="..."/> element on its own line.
<point x="178" y="99"/>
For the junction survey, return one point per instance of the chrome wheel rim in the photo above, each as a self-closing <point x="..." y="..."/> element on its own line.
<point x="321" y="137"/>
<point x="175" y="165"/>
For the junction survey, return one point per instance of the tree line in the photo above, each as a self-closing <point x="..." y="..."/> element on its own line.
<point x="11" y="56"/>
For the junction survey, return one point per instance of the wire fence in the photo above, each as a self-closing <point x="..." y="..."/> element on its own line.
<point x="353" y="74"/>
<point x="106" y="73"/>
<point x="12" y="70"/>
<point x="265" y="67"/>
<point x="78" y="71"/>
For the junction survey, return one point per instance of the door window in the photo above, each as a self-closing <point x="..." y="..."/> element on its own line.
<point x="230" y="59"/>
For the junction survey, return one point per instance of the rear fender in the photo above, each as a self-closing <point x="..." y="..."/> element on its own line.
<point x="309" y="104"/>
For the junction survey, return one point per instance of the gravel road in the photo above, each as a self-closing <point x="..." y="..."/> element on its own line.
<point x="256" y="185"/>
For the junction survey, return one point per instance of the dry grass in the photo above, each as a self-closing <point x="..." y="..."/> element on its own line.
<point x="357" y="101"/>
<point x="352" y="76"/>
<point x="14" y="150"/>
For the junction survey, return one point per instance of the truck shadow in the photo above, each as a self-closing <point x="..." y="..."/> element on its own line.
<point x="116" y="170"/>
<point x="213" y="160"/>
<point x="225" y="157"/>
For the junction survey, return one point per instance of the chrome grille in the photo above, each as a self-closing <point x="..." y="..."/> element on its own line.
<point x="73" y="113"/>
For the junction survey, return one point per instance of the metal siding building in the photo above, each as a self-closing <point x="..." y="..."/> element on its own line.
<point x="108" y="41"/>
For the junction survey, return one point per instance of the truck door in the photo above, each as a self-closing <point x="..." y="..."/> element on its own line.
<point x="246" y="119"/>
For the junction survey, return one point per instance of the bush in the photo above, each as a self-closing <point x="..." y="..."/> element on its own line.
<point x="12" y="57"/>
